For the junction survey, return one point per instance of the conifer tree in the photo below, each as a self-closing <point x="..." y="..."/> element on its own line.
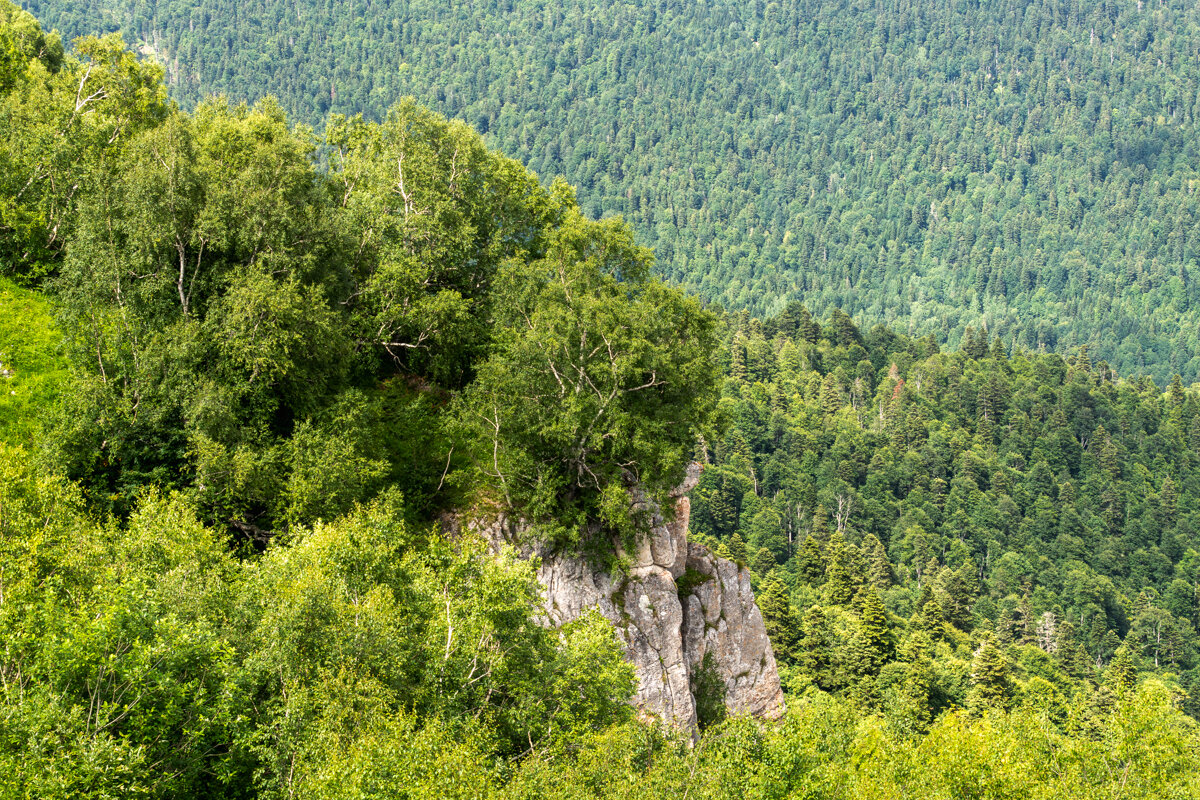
<point x="1121" y="674"/>
<point x="1109" y="645"/>
<point x="839" y="581"/>
<point x="1082" y="664"/>
<point x="872" y="645"/>
<point x="737" y="548"/>
<point x="779" y="618"/>
<point x="1168" y="503"/>
<point x="810" y="563"/>
<point x="763" y="562"/>
<point x="1064" y="645"/>
<point x="808" y="329"/>
<point x="917" y="688"/>
<point x="879" y="569"/>
<point x="831" y="395"/>
<point x="990" y="679"/>
<point x="737" y="358"/>
<point x="928" y="617"/>
<point x="816" y="655"/>
<point x="1175" y="394"/>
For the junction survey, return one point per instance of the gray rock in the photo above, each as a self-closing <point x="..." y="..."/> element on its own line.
<point x="666" y="635"/>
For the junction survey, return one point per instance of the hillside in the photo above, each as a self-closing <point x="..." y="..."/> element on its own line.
<point x="1046" y="502"/>
<point x="1025" y="167"/>
<point x="32" y="368"/>
<point x="273" y="387"/>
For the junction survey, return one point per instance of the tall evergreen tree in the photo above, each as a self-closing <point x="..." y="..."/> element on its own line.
<point x="840" y="584"/>
<point x="990" y="677"/>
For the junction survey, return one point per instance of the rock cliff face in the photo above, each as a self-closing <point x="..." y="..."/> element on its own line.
<point x="678" y="603"/>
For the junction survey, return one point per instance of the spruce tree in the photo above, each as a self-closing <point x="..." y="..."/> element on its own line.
<point x="872" y="645"/>
<point x="816" y="655"/>
<point x="779" y="618"/>
<point x="839" y="582"/>
<point x="810" y="563"/>
<point x="990" y="679"/>
<point x="1121" y="674"/>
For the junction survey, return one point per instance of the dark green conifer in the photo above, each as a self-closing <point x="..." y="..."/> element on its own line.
<point x="810" y="563"/>
<point x="779" y="618"/>
<point x="872" y="645"/>
<point x="816" y="655"/>
<point x="839" y="580"/>
<point x="1121" y="674"/>
<point x="990" y="679"/>
<point x="808" y="329"/>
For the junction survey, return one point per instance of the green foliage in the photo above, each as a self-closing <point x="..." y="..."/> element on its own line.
<point x="319" y="359"/>
<point x="989" y="674"/>
<point x="1062" y="534"/>
<point x="361" y="751"/>
<point x="63" y="119"/>
<point x="117" y="646"/>
<point x="709" y="689"/>
<point x="1034" y="180"/>
<point x="241" y="322"/>
<point x="362" y="655"/>
<point x="689" y="580"/>
<point x="599" y="379"/>
<point x="434" y="627"/>
<point x="823" y="748"/>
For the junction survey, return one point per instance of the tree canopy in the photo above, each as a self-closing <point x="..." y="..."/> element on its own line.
<point x="1027" y="167"/>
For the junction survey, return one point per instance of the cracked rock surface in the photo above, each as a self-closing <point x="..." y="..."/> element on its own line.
<point x="666" y="634"/>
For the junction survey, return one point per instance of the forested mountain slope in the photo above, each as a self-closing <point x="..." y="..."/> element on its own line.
<point x="1025" y="166"/>
<point x="252" y="366"/>
<point x="1044" y="501"/>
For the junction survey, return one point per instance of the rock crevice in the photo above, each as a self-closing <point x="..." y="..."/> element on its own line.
<point x="666" y="632"/>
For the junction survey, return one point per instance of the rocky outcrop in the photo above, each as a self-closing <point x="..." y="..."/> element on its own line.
<point x="677" y="603"/>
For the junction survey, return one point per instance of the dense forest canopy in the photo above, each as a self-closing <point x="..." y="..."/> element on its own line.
<point x="1042" y="501"/>
<point x="245" y="368"/>
<point x="1025" y="167"/>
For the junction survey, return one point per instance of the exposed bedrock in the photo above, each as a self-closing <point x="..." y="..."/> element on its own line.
<point x="666" y="630"/>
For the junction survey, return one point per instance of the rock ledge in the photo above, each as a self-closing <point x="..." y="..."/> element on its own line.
<point x="666" y="632"/>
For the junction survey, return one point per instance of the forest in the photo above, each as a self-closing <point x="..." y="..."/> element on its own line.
<point x="1028" y="168"/>
<point x="245" y="367"/>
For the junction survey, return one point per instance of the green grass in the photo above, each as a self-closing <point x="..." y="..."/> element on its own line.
<point x="33" y="370"/>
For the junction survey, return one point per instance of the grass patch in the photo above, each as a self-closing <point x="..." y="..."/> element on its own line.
<point x="689" y="580"/>
<point x="33" y="369"/>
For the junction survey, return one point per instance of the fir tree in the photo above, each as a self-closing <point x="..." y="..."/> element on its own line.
<point x="763" y="562"/>
<point x="1121" y="674"/>
<point x="872" y="645"/>
<point x="816" y="654"/>
<point x="839" y="581"/>
<point x="928" y="617"/>
<point x="737" y="549"/>
<point x="779" y="618"/>
<point x="879" y="570"/>
<point x="992" y="685"/>
<point x="810" y="563"/>
<point x="917" y="688"/>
